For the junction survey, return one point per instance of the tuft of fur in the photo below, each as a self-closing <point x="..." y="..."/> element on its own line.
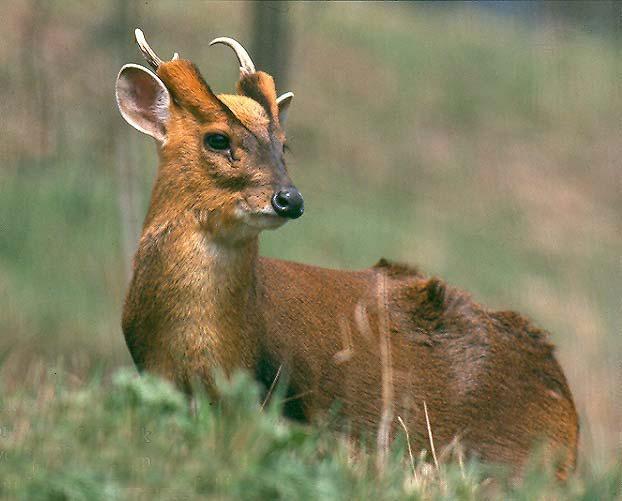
<point x="190" y="91"/>
<point x="260" y="87"/>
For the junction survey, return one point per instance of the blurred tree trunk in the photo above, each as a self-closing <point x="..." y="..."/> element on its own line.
<point x="35" y="78"/>
<point x="271" y="40"/>
<point x="603" y="16"/>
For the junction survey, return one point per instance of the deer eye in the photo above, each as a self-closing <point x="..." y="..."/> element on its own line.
<point x="217" y="141"/>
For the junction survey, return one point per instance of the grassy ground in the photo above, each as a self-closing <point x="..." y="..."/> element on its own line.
<point x="483" y="150"/>
<point x="136" y="439"/>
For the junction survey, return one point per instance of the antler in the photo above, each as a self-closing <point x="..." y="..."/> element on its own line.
<point x="246" y="63"/>
<point x="151" y="57"/>
<point x="284" y="97"/>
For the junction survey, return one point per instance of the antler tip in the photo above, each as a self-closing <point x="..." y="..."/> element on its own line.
<point x="151" y="57"/>
<point x="224" y="40"/>
<point x="246" y="63"/>
<point x="284" y="96"/>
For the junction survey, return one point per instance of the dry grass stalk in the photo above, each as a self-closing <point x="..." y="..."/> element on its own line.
<point x="362" y="320"/>
<point x="346" y="353"/>
<point x="454" y="450"/>
<point x="271" y="389"/>
<point x="382" y="439"/>
<point x="430" y="437"/>
<point x="296" y="396"/>
<point x="410" y="451"/>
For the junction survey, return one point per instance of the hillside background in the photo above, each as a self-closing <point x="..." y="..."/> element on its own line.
<point x="480" y="142"/>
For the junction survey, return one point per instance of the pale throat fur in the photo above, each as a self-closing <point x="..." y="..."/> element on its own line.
<point x="213" y="286"/>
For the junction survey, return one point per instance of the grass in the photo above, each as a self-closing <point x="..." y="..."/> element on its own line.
<point x="482" y="149"/>
<point x="136" y="438"/>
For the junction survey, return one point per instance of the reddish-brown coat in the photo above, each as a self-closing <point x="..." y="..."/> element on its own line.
<point x="201" y="298"/>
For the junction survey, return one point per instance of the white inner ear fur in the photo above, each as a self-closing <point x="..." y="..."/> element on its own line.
<point x="143" y="100"/>
<point x="283" y="102"/>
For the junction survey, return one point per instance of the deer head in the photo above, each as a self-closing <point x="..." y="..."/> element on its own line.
<point x="221" y="156"/>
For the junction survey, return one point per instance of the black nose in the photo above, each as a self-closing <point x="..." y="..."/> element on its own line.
<point x="288" y="202"/>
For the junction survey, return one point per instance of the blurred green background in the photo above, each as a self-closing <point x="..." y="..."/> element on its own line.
<point x="481" y="142"/>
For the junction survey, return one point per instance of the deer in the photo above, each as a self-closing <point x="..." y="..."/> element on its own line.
<point x="378" y="343"/>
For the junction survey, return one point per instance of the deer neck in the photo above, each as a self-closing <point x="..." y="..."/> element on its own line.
<point x="223" y="282"/>
<point x="214" y="311"/>
<point x="229" y="279"/>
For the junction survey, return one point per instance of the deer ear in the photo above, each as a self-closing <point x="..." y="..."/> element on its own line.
<point x="283" y="102"/>
<point x="143" y="100"/>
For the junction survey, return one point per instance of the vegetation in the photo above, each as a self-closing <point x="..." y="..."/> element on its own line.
<point x="137" y="439"/>
<point x="478" y="147"/>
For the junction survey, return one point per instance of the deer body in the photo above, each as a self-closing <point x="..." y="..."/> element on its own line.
<point x="201" y="298"/>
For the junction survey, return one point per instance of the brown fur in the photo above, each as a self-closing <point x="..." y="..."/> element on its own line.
<point x="201" y="298"/>
<point x="260" y="87"/>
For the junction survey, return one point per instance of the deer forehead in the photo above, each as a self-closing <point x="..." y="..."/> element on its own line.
<point x="248" y="111"/>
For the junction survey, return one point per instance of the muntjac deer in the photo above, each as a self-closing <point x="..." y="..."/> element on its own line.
<point x="377" y="343"/>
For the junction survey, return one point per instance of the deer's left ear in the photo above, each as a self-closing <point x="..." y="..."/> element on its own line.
<point x="283" y="102"/>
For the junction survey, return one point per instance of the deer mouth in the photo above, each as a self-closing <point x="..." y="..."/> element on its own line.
<point x="262" y="219"/>
<point x="266" y="220"/>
